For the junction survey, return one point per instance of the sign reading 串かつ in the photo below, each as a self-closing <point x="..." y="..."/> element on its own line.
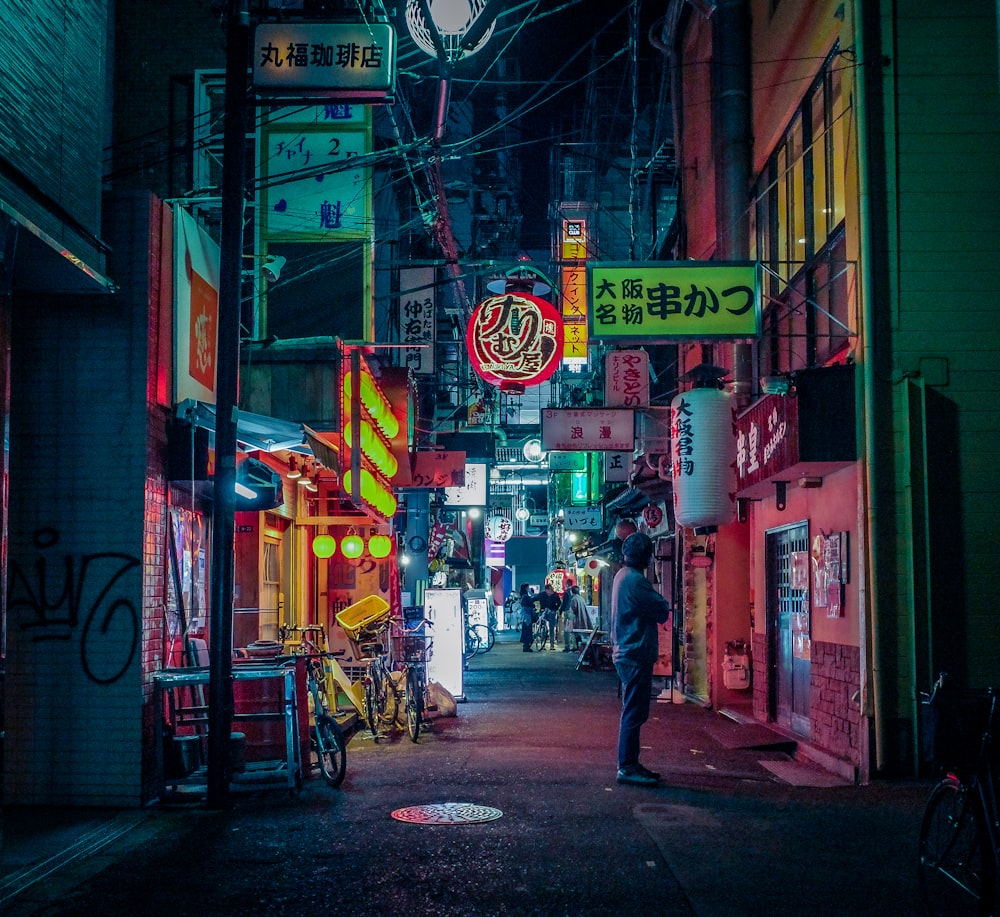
<point x="674" y="300"/>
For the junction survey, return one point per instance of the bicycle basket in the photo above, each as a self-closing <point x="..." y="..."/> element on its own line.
<point x="414" y="649"/>
<point x="954" y="720"/>
<point x="368" y="615"/>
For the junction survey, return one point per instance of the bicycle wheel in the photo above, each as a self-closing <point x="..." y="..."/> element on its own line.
<point x="371" y="707"/>
<point x="957" y="866"/>
<point x="483" y="634"/>
<point x="331" y="750"/>
<point x="414" y="703"/>
<point x="541" y="636"/>
<point x="472" y="641"/>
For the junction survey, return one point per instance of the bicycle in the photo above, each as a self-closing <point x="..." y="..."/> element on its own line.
<point x="540" y="634"/>
<point x="326" y="738"/>
<point x="391" y="687"/>
<point x="960" y="830"/>
<point x="479" y="638"/>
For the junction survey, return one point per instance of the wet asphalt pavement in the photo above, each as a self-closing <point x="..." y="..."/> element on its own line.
<point x="734" y="829"/>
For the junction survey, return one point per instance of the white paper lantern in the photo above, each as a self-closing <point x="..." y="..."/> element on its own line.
<point x="499" y="528"/>
<point x="703" y="457"/>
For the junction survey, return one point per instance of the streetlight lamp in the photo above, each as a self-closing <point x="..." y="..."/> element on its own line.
<point x="450" y="29"/>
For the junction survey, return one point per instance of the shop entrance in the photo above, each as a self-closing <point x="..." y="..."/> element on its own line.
<point x="788" y="626"/>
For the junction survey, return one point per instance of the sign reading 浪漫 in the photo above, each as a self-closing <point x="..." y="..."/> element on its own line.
<point x="588" y="429"/>
<point x="674" y="301"/>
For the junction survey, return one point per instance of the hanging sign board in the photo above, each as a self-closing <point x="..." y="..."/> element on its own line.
<point x="433" y="468"/>
<point x="514" y="340"/>
<point x="594" y="429"/>
<point x="588" y="518"/>
<point x="308" y="60"/>
<point x="473" y="491"/>
<point x="626" y="378"/>
<point x="669" y="301"/>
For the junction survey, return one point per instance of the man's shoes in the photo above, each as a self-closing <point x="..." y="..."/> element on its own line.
<point x="528" y="649"/>
<point x="647" y="772"/>
<point x="637" y="776"/>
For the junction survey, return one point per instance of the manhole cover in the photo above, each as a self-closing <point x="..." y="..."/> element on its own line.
<point x="447" y="813"/>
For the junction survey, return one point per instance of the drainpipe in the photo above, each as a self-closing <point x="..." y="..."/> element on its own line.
<point x="869" y="105"/>
<point x="731" y="148"/>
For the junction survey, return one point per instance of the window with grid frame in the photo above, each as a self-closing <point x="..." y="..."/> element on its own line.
<point x="798" y="225"/>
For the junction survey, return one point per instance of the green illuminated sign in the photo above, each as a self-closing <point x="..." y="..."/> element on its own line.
<point x="674" y="300"/>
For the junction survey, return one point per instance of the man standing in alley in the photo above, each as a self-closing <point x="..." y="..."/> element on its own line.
<point x="550" y="613"/>
<point x="636" y="610"/>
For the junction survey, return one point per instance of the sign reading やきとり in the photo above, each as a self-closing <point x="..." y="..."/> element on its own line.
<point x="674" y="301"/>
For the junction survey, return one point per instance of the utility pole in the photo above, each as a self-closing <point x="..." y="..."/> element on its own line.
<point x="220" y="653"/>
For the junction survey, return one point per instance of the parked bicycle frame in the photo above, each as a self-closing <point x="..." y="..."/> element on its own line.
<point x="325" y="735"/>
<point x="393" y="685"/>
<point x="960" y="831"/>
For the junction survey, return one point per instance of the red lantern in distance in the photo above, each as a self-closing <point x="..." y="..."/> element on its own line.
<point x="515" y="340"/>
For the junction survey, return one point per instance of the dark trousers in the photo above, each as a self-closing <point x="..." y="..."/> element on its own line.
<point x="637" y="689"/>
<point x="526" y="636"/>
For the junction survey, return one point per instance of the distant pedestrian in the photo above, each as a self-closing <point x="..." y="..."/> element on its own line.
<point x="576" y="619"/>
<point x="564" y="624"/>
<point x="528" y="617"/>
<point x="550" y="613"/>
<point x="636" y="610"/>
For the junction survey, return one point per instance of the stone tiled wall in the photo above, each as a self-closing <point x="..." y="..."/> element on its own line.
<point x="835" y="715"/>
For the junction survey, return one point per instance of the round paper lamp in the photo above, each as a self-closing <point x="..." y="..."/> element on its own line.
<point x="379" y="546"/>
<point x="703" y="457"/>
<point x="324" y="546"/>
<point x="352" y="546"/>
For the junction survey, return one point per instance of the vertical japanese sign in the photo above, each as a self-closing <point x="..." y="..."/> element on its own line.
<point x="674" y="301"/>
<point x="573" y="296"/>
<point x="617" y="467"/>
<point x="311" y="189"/>
<point x="196" y="309"/>
<point x="417" y="305"/>
<point x="626" y="378"/>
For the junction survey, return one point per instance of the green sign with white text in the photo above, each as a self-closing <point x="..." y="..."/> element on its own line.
<point x="674" y="300"/>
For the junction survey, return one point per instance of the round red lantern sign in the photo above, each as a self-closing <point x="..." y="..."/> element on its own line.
<point x="514" y="340"/>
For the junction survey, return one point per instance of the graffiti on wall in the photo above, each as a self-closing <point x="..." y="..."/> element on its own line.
<point x="67" y="595"/>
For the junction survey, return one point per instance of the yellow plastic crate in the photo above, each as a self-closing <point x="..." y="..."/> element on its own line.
<point x="363" y="615"/>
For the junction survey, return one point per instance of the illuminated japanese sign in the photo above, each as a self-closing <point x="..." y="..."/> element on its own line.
<point x="311" y="189"/>
<point x="416" y="318"/>
<point x="583" y="517"/>
<point x="473" y="491"/>
<point x="767" y="440"/>
<point x="626" y="378"/>
<point x="196" y="310"/>
<point x="514" y="340"/>
<point x="568" y="429"/>
<point x="674" y="301"/>
<point x="438" y="469"/>
<point x="303" y="59"/>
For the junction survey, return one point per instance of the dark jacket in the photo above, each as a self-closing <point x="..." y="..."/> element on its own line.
<point x="636" y="610"/>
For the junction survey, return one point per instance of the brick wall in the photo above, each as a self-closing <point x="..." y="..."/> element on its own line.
<point x="835" y="714"/>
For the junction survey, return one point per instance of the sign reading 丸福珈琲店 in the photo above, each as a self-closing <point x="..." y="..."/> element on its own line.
<point x="674" y="301"/>
<point x="302" y="60"/>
